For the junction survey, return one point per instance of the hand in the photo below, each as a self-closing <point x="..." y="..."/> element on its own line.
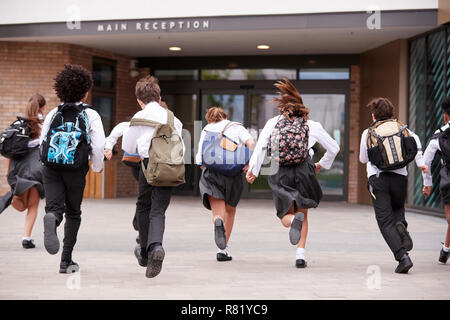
<point x="318" y="167"/>
<point x="426" y="191"/>
<point x="101" y="170"/>
<point x="245" y="169"/>
<point x="107" y="153"/>
<point x="202" y="167"/>
<point x="424" y="169"/>
<point x="250" y="177"/>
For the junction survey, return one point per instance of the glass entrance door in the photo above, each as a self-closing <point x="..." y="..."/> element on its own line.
<point x="329" y="110"/>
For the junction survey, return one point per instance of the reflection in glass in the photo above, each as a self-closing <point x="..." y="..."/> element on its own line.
<point x="183" y="106"/>
<point x="324" y="74"/>
<point x="248" y="74"/>
<point x="103" y="75"/>
<point x="104" y="106"/>
<point x="176" y="74"/>
<point x="233" y="104"/>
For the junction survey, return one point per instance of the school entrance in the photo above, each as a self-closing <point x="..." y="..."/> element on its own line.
<point x="246" y="93"/>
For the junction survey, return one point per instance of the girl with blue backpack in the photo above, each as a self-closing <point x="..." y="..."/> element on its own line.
<point x="288" y="139"/>
<point x="224" y="150"/>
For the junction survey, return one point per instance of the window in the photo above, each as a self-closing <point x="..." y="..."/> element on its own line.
<point x="248" y="74"/>
<point x="176" y="74"/>
<point x="103" y="91"/>
<point x="324" y="74"/>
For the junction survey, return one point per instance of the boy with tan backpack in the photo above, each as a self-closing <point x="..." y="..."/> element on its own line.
<point x="387" y="147"/>
<point x="156" y="134"/>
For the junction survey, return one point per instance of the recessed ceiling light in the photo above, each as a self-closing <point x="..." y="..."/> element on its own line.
<point x="263" y="46"/>
<point x="174" y="48"/>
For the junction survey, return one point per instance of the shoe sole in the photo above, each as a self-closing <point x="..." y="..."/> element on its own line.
<point x="219" y="234"/>
<point x="51" y="241"/>
<point x="301" y="267"/>
<point x="405" y="236"/>
<point x="71" y="269"/>
<point x="155" y="265"/>
<point x="296" y="228"/>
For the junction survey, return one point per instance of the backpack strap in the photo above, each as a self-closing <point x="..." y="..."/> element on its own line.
<point x="229" y="125"/>
<point x="170" y="119"/>
<point x="143" y="122"/>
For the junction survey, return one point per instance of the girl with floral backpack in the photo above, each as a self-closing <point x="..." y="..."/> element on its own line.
<point x="288" y="139"/>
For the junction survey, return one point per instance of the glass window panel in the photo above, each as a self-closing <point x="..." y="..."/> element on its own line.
<point x="176" y="74"/>
<point x="104" y="106"/>
<point x="248" y="74"/>
<point x="324" y="74"/>
<point x="329" y="110"/>
<point x="103" y="75"/>
<point x="233" y="104"/>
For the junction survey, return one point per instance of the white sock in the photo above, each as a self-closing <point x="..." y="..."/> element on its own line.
<point x="223" y="251"/>
<point x="300" y="254"/>
<point x="26" y="238"/>
<point x="292" y="219"/>
<point x="445" y="248"/>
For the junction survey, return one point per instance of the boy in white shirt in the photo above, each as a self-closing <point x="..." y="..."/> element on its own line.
<point x="388" y="191"/>
<point x="152" y="201"/>
<point x="433" y="147"/>
<point x="64" y="188"/>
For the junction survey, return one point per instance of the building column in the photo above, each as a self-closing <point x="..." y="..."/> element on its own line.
<point x="354" y="186"/>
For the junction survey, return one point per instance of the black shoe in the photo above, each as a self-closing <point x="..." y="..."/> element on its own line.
<point x="404" y="264"/>
<point x="141" y="260"/>
<point x="300" y="263"/>
<point x="223" y="257"/>
<point x="296" y="228"/>
<point x="138" y="241"/>
<point x="68" y="267"/>
<point x="51" y="241"/>
<point x="28" y="244"/>
<point x="219" y="234"/>
<point x="404" y="235"/>
<point x="155" y="263"/>
<point x="443" y="256"/>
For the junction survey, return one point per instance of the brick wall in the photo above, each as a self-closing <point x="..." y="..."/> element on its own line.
<point x="354" y="183"/>
<point x="30" y="67"/>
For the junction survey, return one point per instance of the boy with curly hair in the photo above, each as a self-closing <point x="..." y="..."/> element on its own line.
<point x="71" y="134"/>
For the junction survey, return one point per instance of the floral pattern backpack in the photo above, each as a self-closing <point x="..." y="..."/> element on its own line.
<point x="288" y="143"/>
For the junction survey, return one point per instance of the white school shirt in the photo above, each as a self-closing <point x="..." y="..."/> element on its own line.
<point x="117" y="132"/>
<point x="373" y="170"/>
<point x="96" y="133"/>
<point x="140" y="137"/>
<point x="428" y="157"/>
<point x="316" y="134"/>
<point x="235" y="132"/>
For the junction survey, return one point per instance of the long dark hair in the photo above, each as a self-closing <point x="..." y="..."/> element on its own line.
<point x="290" y="102"/>
<point x="32" y="111"/>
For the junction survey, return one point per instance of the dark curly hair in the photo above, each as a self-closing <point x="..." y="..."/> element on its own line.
<point x="72" y="83"/>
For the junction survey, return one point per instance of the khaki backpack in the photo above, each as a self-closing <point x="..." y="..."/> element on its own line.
<point x="165" y="166"/>
<point x="389" y="144"/>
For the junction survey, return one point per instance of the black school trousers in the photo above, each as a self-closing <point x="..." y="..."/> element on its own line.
<point x="64" y="194"/>
<point x="151" y="206"/>
<point x="388" y="198"/>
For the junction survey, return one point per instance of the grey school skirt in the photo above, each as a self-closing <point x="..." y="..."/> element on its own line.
<point x="296" y="184"/>
<point x="220" y="187"/>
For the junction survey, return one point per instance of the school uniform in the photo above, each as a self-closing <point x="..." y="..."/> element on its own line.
<point x="428" y="157"/>
<point x="296" y="183"/>
<point x="64" y="189"/>
<point x="388" y="193"/>
<point x="24" y="174"/>
<point x="213" y="183"/>
<point x="152" y="202"/>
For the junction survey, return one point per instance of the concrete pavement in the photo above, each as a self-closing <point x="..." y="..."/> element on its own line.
<point x="347" y="257"/>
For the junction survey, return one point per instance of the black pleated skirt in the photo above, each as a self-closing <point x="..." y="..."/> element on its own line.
<point x="220" y="186"/>
<point x="296" y="184"/>
<point x="24" y="174"/>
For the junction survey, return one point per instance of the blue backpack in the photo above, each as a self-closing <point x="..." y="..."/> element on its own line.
<point x="221" y="154"/>
<point x="67" y="145"/>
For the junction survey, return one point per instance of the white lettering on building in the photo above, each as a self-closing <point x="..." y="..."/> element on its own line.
<point x="155" y="25"/>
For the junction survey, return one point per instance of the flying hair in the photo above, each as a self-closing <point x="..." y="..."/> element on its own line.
<point x="290" y="102"/>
